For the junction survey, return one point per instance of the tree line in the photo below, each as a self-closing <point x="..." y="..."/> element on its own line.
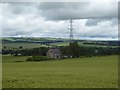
<point x="73" y="49"/>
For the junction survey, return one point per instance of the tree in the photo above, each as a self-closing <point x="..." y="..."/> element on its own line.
<point x="4" y="47"/>
<point x="75" y="49"/>
<point x="66" y="50"/>
<point x="35" y="51"/>
<point x="20" y="47"/>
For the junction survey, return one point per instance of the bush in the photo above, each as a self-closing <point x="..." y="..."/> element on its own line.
<point x="38" y="58"/>
<point x="29" y="59"/>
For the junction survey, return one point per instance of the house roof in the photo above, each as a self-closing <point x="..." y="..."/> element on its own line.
<point x="54" y="50"/>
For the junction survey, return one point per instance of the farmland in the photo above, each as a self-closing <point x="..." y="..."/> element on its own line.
<point x="88" y="72"/>
<point x="27" y="43"/>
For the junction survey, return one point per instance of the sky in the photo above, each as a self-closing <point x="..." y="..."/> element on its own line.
<point x="91" y="20"/>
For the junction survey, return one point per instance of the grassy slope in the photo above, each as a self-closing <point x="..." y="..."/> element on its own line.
<point x="69" y="73"/>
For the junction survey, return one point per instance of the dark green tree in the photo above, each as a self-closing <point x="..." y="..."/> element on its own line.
<point x="75" y="49"/>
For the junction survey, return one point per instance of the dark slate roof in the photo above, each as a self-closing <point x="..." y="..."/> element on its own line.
<point x="55" y="50"/>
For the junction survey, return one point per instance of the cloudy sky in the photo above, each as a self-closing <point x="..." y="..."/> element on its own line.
<point x="91" y="20"/>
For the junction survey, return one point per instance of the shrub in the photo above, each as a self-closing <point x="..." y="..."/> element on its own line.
<point x="29" y="59"/>
<point x="38" y="58"/>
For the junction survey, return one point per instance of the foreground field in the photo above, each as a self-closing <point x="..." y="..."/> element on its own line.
<point x="94" y="72"/>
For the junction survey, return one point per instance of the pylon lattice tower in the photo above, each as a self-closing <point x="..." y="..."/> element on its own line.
<point x="71" y="29"/>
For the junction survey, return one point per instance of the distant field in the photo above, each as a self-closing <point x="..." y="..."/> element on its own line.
<point x="24" y="45"/>
<point x="31" y="42"/>
<point x="31" y="45"/>
<point x="94" y="72"/>
<point x="35" y="45"/>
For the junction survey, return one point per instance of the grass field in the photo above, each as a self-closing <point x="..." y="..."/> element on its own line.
<point x="24" y="45"/>
<point x="93" y="72"/>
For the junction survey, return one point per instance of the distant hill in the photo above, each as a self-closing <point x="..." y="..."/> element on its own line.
<point x="56" y="41"/>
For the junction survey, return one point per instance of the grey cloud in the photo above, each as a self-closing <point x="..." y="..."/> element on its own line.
<point x="63" y="5"/>
<point x="97" y="35"/>
<point x="15" y="33"/>
<point x="94" y="22"/>
<point x="114" y="21"/>
<point x="77" y="10"/>
<point x="20" y="8"/>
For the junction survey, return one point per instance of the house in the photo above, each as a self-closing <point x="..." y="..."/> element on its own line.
<point x="54" y="53"/>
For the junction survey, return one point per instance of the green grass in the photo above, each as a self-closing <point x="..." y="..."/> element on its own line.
<point x="24" y="45"/>
<point x="8" y="58"/>
<point x="94" y="72"/>
<point x="61" y="43"/>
